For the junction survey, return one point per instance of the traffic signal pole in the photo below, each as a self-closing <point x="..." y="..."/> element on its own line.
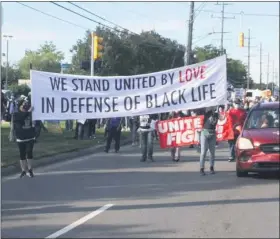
<point x="92" y="55"/>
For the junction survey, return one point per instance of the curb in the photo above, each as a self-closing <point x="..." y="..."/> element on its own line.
<point x="48" y="160"/>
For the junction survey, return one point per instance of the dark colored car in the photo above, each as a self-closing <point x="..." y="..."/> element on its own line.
<point x="257" y="148"/>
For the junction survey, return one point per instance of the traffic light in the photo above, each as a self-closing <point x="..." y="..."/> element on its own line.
<point x="241" y="39"/>
<point x="97" y="47"/>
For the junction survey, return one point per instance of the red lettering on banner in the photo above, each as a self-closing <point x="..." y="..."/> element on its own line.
<point x="184" y="131"/>
<point x="192" y="73"/>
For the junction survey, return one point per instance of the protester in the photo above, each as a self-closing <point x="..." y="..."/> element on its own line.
<point x="25" y="136"/>
<point x="91" y="128"/>
<point x="113" y="129"/>
<point x="175" y="152"/>
<point x="147" y="137"/>
<point x="133" y="125"/>
<point x="208" y="139"/>
<point x="238" y="116"/>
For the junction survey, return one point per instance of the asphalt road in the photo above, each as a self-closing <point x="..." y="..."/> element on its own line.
<point x="159" y="199"/>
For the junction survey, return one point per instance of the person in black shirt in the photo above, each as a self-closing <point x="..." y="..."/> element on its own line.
<point x="25" y="136"/>
<point x="208" y="139"/>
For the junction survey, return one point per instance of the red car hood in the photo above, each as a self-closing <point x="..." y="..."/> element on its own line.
<point x="262" y="136"/>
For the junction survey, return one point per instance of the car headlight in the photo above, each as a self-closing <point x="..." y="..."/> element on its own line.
<point x="244" y="143"/>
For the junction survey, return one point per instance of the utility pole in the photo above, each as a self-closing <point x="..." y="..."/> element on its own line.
<point x="1" y="20"/>
<point x="92" y="55"/>
<point x="190" y="36"/>
<point x="267" y="76"/>
<point x="260" y="65"/>
<point x="249" y="51"/>
<point x="223" y="18"/>
<point x="272" y="85"/>
<point x="7" y="59"/>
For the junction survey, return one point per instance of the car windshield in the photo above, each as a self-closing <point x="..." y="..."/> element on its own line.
<point x="263" y="118"/>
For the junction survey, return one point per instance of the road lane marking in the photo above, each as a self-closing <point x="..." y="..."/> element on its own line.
<point x="80" y="221"/>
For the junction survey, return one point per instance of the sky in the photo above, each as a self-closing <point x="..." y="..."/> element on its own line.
<point x="30" y="29"/>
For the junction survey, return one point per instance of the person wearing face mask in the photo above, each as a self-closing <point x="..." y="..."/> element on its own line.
<point x="175" y="152"/>
<point x="208" y="138"/>
<point x="238" y="116"/>
<point x="25" y="136"/>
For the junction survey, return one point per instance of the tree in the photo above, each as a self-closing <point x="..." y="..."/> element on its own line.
<point x="236" y="70"/>
<point x="13" y="75"/>
<point x="129" y="54"/>
<point x="46" y="58"/>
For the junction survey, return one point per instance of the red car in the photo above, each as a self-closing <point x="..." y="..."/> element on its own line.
<point x="257" y="148"/>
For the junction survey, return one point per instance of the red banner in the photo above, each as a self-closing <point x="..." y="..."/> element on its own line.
<point x="185" y="131"/>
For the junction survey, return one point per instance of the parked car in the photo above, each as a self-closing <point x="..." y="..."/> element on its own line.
<point x="257" y="148"/>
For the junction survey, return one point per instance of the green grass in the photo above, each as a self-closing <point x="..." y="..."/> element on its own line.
<point x="49" y="144"/>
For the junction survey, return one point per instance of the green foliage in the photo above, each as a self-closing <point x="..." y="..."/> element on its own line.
<point x="13" y="75"/>
<point x="46" y="58"/>
<point x="19" y="90"/>
<point x="236" y="70"/>
<point x="127" y="54"/>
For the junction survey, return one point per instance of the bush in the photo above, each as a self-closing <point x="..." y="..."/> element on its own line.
<point x="19" y="90"/>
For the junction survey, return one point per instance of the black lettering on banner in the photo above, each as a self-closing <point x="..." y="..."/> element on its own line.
<point x="64" y="105"/>
<point x="73" y="105"/>
<point x="107" y="103"/>
<point x="182" y="96"/>
<point x="152" y="81"/>
<point x="173" y="95"/>
<point x="202" y="92"/>
<point x="88" y="104"/>
<point x="149" y="103"/>
<point x="136" y="101"/>
<point x="128" y="103"/>
<point x="98" y="104"/>
<point x="76" y="87"/>
<point x="144" y="82"/>
<point x="115" y="104"/>
<point x="81" y="104"/>
<point x="212" y="90"/>
<point x="88" y="86"/>
<point x="163" y="79"/>
<point x="165" y="100"/>
<point x="48" y="104"/>
<point x="106" y="85"/>
<point x="205" y="91"/>
<point x="58" y="83"/>
<point x="171" y="76"/>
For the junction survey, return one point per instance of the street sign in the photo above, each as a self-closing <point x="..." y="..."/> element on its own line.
<point x="65" y="66"/>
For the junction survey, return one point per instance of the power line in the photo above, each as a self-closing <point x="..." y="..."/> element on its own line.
<point x="102" y="18"/>
<point x="245" y="14"/>
<point x="114" y="29"/>
<point x="99" y="23"/>
<point x="37" y="10"/>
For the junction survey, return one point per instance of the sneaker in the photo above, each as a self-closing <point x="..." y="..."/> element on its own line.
<point x="152" y="159"/>
<point x="106" y="151"/>
<point x="231" y="160"/>
<point x="142" y="160"/>
<point x="31" y="174"/>
<point x="23" y="173"/>
<point x="212" y="170"/>
<point x="202" y="173"/>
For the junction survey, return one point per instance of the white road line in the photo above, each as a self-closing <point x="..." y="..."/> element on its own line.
<point x="80" y="221"/>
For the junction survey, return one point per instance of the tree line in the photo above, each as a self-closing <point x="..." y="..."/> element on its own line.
<point x="124" y="54"/>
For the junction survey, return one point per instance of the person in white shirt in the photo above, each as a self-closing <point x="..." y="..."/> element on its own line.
<point x="147" y="137"/>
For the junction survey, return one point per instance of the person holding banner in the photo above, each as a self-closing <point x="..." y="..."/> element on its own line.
<point x="113" y="128"/>
<point x="25" y="136"/>
<point x="175" y="152"/>
<point x="238" y="116"/>
<point x="147" y="137"/>
<point x="208" y="138"/>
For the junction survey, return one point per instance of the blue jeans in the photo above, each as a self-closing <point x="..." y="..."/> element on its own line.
<point x="147" y="144"/>
<point x="207" y="142"/>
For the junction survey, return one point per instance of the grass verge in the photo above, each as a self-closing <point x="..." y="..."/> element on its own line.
<point x="49" y="144"/>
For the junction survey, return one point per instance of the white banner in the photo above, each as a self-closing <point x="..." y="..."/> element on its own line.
<point x="64" y="97"/>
